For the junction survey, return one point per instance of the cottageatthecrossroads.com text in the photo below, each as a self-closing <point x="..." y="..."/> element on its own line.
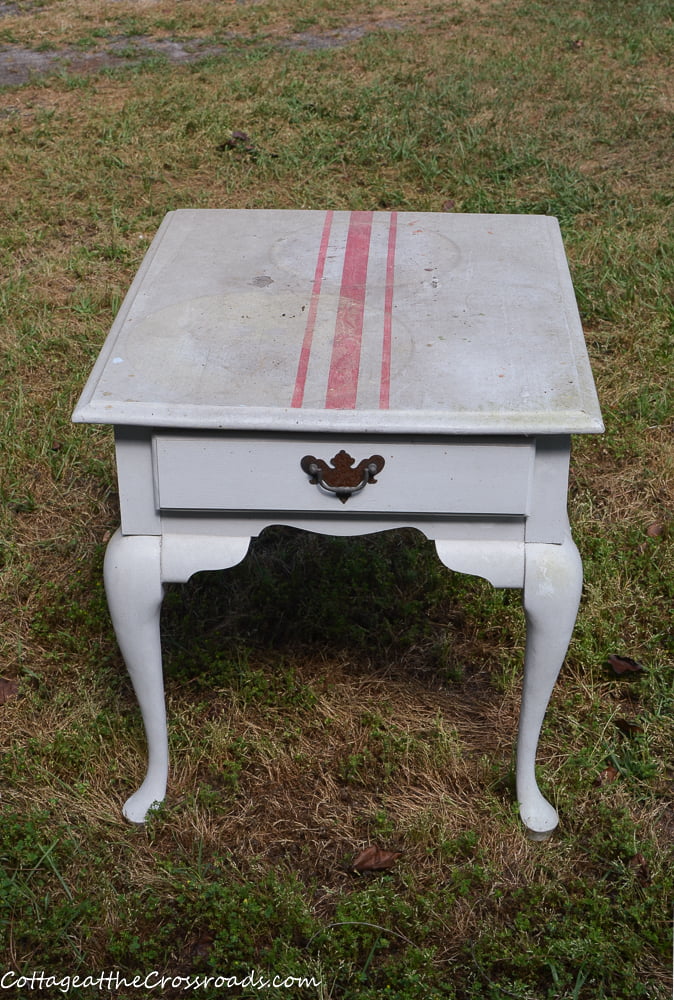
<point x="114" y="981"/>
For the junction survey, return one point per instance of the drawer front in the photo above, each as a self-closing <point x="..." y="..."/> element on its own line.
<point x="220" y="472"/>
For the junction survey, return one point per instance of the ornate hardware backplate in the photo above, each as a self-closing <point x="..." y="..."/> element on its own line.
<point x="343" y="479"/>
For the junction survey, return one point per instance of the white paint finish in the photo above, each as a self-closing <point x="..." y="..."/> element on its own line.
<point x="135" y="569"/>
<point x="473" y="529"/>
<point x="485" y="331"/>
<point x="135" y="476"/>
<point x="132" y="576"/>
<point x="185" y="554"/>
<point x="553" y="581"/>
<point x="547" y="519"/>
<point x="221" y="472"/>
<point x="502" y="563"/>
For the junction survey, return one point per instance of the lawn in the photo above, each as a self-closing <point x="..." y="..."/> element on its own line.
<point x="297" y="739"/>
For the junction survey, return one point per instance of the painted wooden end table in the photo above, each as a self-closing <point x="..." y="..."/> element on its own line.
<point x="346" y="372"/>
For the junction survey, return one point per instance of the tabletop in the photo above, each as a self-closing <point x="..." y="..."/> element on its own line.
<point x="362" y="321"/>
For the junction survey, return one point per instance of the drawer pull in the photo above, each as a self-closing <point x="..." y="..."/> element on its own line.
<point x="342" y="479"/>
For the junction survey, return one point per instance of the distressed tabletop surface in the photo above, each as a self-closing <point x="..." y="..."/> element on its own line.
<point x="361" y="321"/>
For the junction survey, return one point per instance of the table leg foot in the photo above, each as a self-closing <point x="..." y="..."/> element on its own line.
<point x="150" y="794"/>
<point x="132" y="574"/>
<point x="553" y="580"/>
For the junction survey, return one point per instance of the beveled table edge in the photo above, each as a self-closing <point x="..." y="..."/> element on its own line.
<point x="220" y="418"/>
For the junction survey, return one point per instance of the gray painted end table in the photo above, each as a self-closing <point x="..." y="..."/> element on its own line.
<point x="346" y="372"/>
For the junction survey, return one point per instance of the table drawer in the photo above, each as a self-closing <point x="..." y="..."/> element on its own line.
<point x="220" y="472"/>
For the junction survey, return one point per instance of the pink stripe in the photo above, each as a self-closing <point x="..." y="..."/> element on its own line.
<point x="345" y="362"/>
<point x="303" y="365"/>
<point x="385" y="387"/>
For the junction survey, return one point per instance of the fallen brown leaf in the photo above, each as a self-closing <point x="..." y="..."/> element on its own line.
<point x="8" y="690"/>
<point x="375" y="859"/>
<point x="621" y="665"/>
<point x="202" y="945"/>
<point x="606" y="776"/>
<point x="629" y="728"/>
<point x="240" y="142"/>
<point x="639" y="866"/>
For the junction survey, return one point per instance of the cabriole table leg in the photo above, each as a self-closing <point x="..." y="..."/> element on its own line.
<point x="553" y="579"/>
<point x="132" y="574"/>
<point x="135" y="570"/>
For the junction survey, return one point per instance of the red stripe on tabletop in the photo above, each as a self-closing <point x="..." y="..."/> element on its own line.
<point x="385" y="387"/>
<point x="345" y="362"/>
<point x="303" y="365"/>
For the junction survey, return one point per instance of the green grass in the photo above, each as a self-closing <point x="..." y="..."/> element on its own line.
<point x="327" y="694"/>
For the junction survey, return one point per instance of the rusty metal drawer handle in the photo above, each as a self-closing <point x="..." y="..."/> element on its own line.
<point x="343" y="480"/>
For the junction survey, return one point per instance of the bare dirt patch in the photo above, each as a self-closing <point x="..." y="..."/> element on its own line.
<point x="20" y="65"/>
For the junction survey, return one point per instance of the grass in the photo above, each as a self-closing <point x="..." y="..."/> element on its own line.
<point x="307" y="721"/>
